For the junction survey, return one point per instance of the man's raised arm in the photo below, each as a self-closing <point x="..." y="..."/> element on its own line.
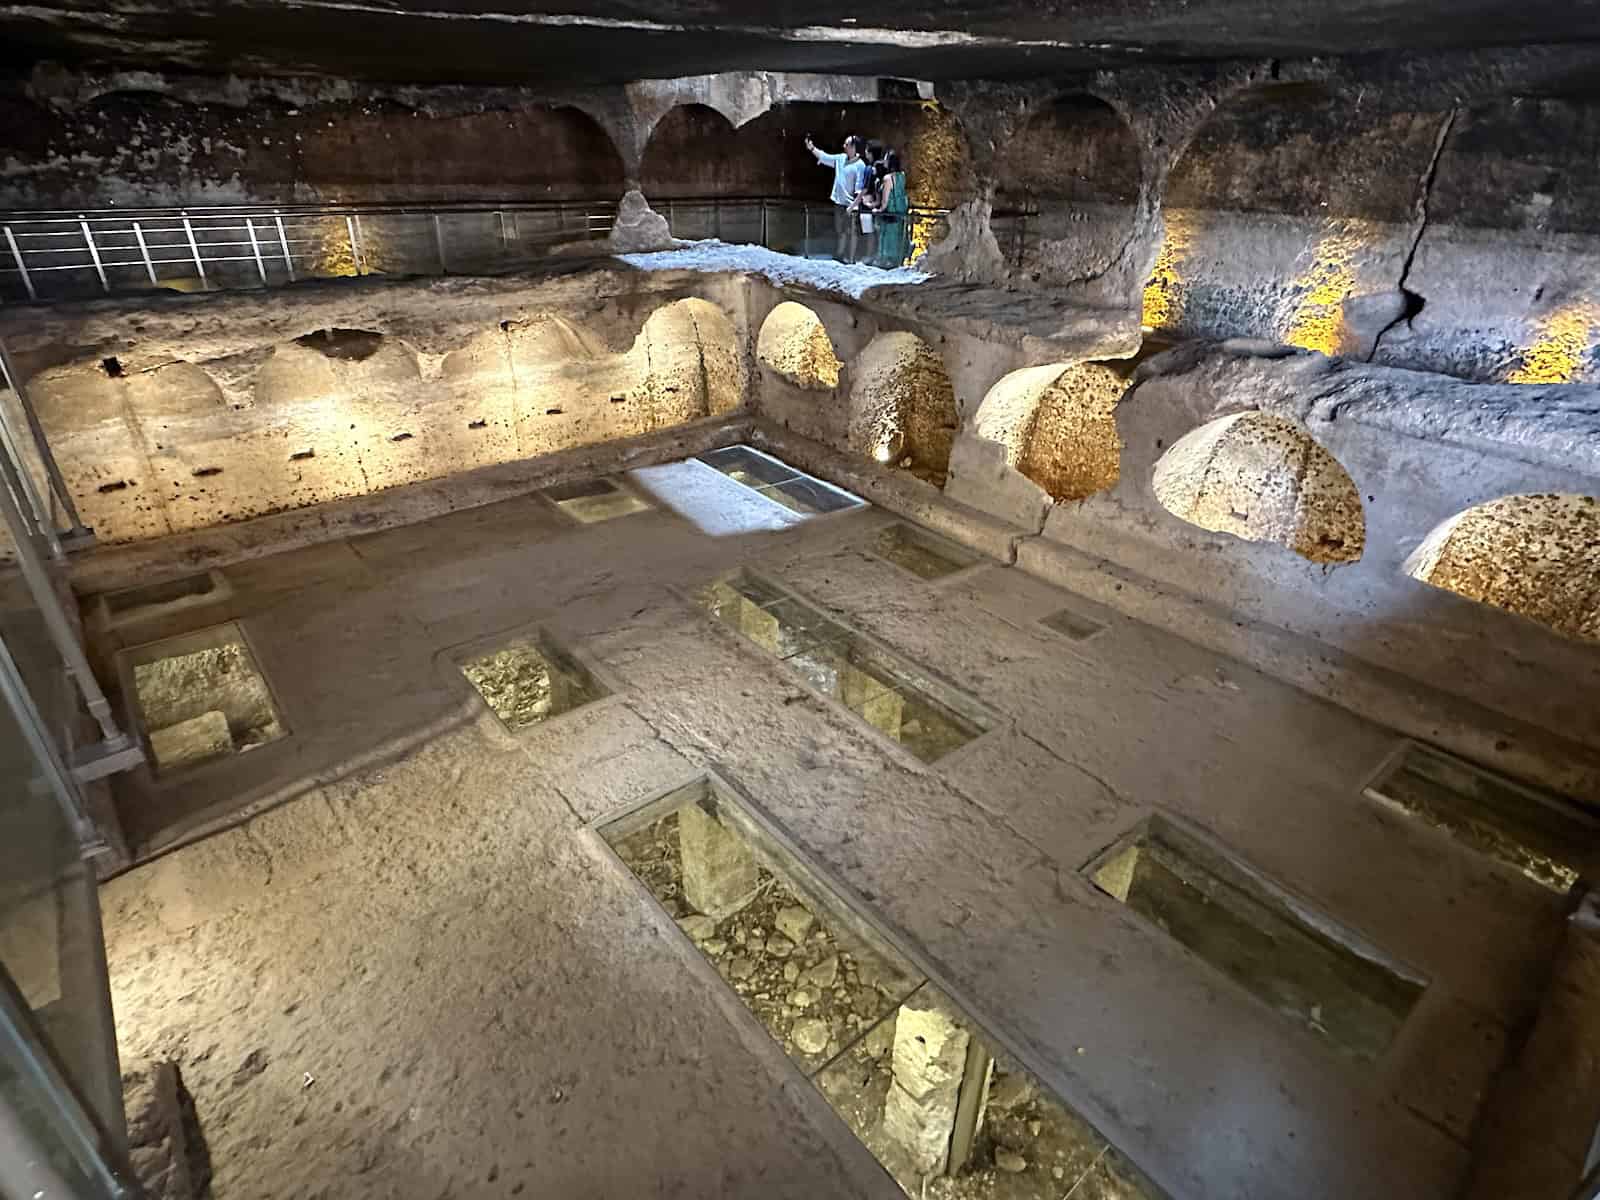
<point x="822" y="156"/>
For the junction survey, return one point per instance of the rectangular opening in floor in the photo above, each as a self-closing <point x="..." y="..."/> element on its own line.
<point x="875" y="684"/>
<point x="923" y="554"/>
<point x="1296" y="960"/>
<point x="127" y="605"/>
<point x="1545" y="837"/>
<point x="779" y="482"/>
<point x="530" y="679"/>
<point x="591" y="501"/>
<point x="1073" y="626"/>
<point x="911" y="1074"/>
<point x="200" y="697"/>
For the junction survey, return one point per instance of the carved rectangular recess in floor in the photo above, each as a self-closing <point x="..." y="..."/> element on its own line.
<point x="127" y="606"/>
<point x="530" y="679"/>
<point x="888" y="692"/>
<point x="199" y="697"/>
<point x="591" y="501"/>
<point x="1296" y="960"/>
<point x="779" y="482"/>
<point x="1545" y="837"/>
<point x="912" y="1075"/>
<point x="1072" y="626"/>
<point x="925" y="555"/>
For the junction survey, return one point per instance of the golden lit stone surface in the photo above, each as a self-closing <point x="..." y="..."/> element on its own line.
<point x="1537" y="556"/>
<point x="1263" y="478"/>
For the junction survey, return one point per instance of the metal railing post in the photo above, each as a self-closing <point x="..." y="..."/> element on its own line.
<point x="22" y="267"/>
<point x="283" y="241"/>
<point x="144" y="253"/>
<point x="355" y="245"/>
<point x="766" y="237"/>
<point x="24" y="493"/>
<point x="255" y="246"/>
<point x="41" y="445"/>
<point x="94" y="252"/>
<point x="438" y="244"/>
<point x="194" y="249"/>
<point x="500" y="217"/>
<point x="36" y="575"/>
<point x="805" y="240"/>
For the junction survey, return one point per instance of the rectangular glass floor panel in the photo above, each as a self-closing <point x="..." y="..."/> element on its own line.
<point x="530" y="680"/>
<point x="779" y="482"/>
<point x="594" y="500"/>
<point x="919" y="723"/>
<point x="842" y="670"/>
<point x="809" y="496"/>
<point x="778" y="624"/>
<point x="911" y="1074"/>
<point x="1018" y="1142"/>
<point x="876" y="685"/>
<point x="1255" y="935"/>
<point x="202" y="697"/>
<point x="924" y="555"/>
<point x="748" y="467"/>
<point x="1547" y="838"/>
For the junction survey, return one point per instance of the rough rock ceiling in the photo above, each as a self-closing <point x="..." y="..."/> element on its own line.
<point x="581" y="41"/>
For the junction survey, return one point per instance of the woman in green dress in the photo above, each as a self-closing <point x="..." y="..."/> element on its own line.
<point x="894" y="230"/>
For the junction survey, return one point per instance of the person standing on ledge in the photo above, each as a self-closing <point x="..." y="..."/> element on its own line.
<point x="893" y="213"/>
<point x="849" y="178"/>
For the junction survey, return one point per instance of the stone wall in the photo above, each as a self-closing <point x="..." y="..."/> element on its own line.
<point x="82" y="140"/>
<point x="130" y="148"/>
<point x="1432" y="211"/>
<point x="181" y="413"/>
<point x="1311" y="523"/>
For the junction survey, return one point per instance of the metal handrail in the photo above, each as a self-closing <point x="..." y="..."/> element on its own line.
<point x="264" y="245"/>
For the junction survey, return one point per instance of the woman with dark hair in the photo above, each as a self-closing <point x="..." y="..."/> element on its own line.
<point x="893" y="209"/>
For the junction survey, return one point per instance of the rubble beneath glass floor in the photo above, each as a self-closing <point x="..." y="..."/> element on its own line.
<point x="909" y="1072"/>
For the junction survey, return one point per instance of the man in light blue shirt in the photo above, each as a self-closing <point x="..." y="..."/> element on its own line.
<point x="849" y="180"/>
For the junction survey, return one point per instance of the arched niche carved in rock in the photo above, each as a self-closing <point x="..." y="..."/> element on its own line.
<point x="1534" y="555"/>
<point x="1264" y="478"/>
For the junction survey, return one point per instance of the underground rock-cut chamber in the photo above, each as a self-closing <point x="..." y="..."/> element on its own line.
<point x="1301" y="965"/>
<point x="913" y="1076"/>
<point x="922" y="554"/>
<point x="1547" y="838"/>
<point x="530" y="679"/>
<point x="200" y="697"/>
<point x="924" y="716"/>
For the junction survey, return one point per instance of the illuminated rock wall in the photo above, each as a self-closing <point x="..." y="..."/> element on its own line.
<point x="1323" y="497"/>
<point x="247" y="405"/>
<point x="1453" y="239"/>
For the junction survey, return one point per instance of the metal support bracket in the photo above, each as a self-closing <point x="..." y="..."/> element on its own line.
<point x="99" y="759"/>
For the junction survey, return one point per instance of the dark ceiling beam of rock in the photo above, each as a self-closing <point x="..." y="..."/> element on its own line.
<point x="451" y="40"/>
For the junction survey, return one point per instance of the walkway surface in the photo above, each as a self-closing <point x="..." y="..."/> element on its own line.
<point x="423" y="974"/>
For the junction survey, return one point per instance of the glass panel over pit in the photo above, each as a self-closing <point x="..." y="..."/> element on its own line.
<point x="912" y="1075"/>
